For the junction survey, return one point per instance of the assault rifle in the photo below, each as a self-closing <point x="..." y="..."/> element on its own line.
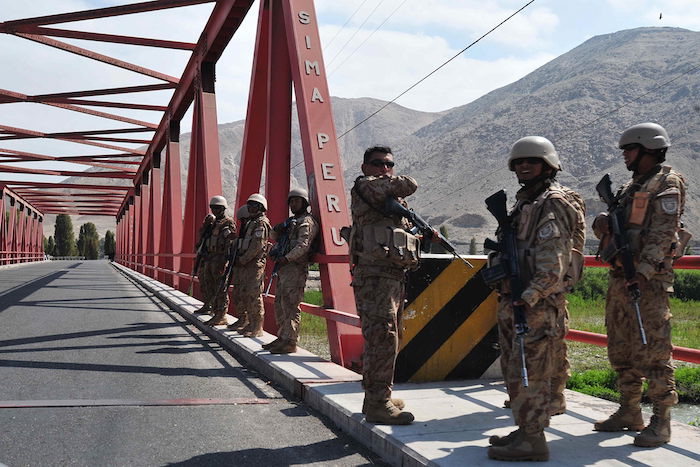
<point x="279" y="249"/>
<point x="621" y="250"/>
<point x="200" y="253"/>
<point x="225" y="281"/>
<point x="393" y="207"/>
<point x="508" y="268"/>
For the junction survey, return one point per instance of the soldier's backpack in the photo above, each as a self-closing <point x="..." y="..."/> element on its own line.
<point x="575" y="270"/>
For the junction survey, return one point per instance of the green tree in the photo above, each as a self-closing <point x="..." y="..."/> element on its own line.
<point x="472" y="246"/>
<point x="63" y="236"/>
<point x="50" y="246"/>
<point x="88" y="241"/>
<point x="110" y="245"/>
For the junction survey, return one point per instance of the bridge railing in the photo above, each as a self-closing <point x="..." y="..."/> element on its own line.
<point x="135" y="261"/>
<point x="15" y="257"/>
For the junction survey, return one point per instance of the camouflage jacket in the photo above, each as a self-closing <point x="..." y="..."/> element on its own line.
<point x="366" y="209"/>
<point x="301" y="235"/>
<point x="544" y="221"/>
<point x="253" y="240"/>
<point x="223" y="233"/>
<point x="653" y="235"/>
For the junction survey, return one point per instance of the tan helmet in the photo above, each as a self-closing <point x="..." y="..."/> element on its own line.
<point x="242" y="212"/>
<point x="218" y="201"/>
<point x="257" y="197"/>
<point x="650" y="135"/>
<point x="299" y="192"/>
<point x="534" y="146"/>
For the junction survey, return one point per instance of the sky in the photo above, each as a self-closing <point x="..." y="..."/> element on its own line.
<point x="372" y="48"/>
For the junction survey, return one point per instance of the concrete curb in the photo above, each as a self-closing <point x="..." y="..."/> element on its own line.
<point x="308" y="377"/>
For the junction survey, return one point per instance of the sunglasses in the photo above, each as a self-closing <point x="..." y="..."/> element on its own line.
<point x="529" y="160"/>
<point x="381" y="163"/>
<point x="630" y="147"/>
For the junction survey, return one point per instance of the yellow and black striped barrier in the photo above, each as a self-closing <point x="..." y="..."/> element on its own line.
<point x="449" y="322"/>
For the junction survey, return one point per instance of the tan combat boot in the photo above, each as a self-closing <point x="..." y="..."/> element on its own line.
<point x="386" y="413"/>
<point x="272" y="344"/>
<point x="496" y="440"/>
<point x="205" y="309"/>
<point x="219" y="318"/>
<point x="628" y="416"/>
<point x="398" y="403"/>
<point x="284" y="347"/>
<point x="241" y="323"/>
<point x="524" y="447"/>
<point x="658" y="431"/>
<point x="254" y="329"/>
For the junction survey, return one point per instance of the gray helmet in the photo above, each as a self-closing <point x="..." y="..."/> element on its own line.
<point x="218" y="201"/>
<point x="299" y="192"/>
<point x="650" y="135"/>
<point x="257" y="197"/>
<point x="242" y="212"/>
<point x="534" y="146"/>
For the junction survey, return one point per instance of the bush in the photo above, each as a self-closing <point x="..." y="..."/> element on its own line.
<point x="594" y="284"/>
<point x="687" y="285"/>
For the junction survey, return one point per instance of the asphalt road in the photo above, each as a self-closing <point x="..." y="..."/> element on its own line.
<point x="95" y="371"/>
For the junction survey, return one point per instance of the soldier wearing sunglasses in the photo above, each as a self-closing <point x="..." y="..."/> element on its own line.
<point x="379" y="270"/>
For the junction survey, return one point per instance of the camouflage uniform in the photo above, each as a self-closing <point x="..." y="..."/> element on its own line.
<point x="544" y="222"/>
<point x="378" y="284"/>
<point x="249" y="272"/>
<point x="652" y="242"/>
<point x="223" y="232"/>
<point x="291" y="278"/>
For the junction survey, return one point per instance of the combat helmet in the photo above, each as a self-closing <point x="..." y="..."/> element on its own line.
<point x="242" y="212"/>
<point x="218" y="201"/>
<point x="298" y="192"/>
<point x="534" y="146"/>
<point x="650" y="135"/>
<point x="258" y="198"/>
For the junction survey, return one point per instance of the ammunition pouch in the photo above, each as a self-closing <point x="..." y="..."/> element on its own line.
<point x="389" y="243"/>
<point x="682" y="239"/>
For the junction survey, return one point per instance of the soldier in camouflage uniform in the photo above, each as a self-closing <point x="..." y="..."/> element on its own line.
<point x="249" y="268"/>
<point x="653" y="203"/>
<point x="545" y="222"/>
<point x="222" y="234"/>
<point x="379" y="279"/>
<point x="295" y="238"/>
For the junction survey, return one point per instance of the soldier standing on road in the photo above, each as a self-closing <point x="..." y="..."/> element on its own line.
<point x="218" y="231"/>
<point x="295" y="238"/>
<point x="249" y="268"/>
<point x="379" y="279"/>
<point x="653" y="203"/>
<point x="548" y="222"/>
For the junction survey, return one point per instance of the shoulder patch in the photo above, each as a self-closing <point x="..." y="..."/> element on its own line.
<point x="547" y="231"/>
<point x="669" y="204"/>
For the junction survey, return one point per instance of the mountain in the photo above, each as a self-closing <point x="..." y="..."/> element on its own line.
<point x="581" y="100"/>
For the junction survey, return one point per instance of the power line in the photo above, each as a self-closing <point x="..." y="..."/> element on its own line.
<point x="346" y="23"/>
<point x="438" y="68"/>
<point x="367" y="38"/>
<point x="355" y="33"/>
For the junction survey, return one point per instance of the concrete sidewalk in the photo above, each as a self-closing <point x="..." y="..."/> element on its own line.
<point x="453" y="418"/>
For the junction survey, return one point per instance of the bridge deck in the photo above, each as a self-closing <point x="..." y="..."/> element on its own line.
<point x="453" y="420"/>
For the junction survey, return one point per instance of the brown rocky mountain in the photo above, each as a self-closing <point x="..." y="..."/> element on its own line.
<point x="581" y="100"/>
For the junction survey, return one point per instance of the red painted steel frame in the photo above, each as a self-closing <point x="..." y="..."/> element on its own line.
<point x="21" y="229"/>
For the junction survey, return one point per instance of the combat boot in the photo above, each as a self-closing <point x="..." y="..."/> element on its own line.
<point x="284" y="347"/>
<point x="241" y="324"/>
<point x="627" y="417"/>
<point x="658" y="431"/>
<point x="386" y="413"/>
<point x="496" y="440"/>
<point x="398" y="403"/>
<point x="219" y="319"/>
<point x="272" y="344"/>
<point x="254" y="329"/>
<point x="205" y="309"/>
<point x="524" y="447"/>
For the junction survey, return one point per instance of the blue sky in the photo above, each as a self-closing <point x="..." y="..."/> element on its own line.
<point x="363" y="59"/>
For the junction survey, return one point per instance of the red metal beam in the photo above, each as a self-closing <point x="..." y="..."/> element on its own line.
<point x="64" y="173"/>
<point x="29" y="156"/>
<point x="107" y="91"/>
<point x="113" y="188"/>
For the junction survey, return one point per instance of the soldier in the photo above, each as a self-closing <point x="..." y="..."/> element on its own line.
<point x="379" y="279"/>
<point x="217" y="243"/>
<point x="295" y="238"/>
<point x="652" y="203"/>
<point x="546" y="223"/>
<point x="242" y="215"/>
<point x="249" y="268"/>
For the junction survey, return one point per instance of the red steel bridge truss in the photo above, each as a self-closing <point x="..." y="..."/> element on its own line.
<point x="142" y="188"/>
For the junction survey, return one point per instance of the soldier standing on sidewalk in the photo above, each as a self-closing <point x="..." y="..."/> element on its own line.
<point x="653" y="203"/>
<point x="295" y="239"/>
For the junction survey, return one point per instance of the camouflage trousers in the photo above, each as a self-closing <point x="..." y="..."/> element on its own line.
<point x="211" y="272"/>
<point x="378" y="300"/>
<point x="631" y="359"/>
<point x="289" y="292"/>
<point x="248" y="282"/>
<point x="544" y="346"/>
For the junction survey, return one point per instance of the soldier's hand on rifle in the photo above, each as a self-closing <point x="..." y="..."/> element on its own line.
<point x="601" y="224"/>
<point x="209" y="219"/>
<point x="639" y="279"/>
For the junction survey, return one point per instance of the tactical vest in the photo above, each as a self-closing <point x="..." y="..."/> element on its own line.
<point x="222" y="233"/>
